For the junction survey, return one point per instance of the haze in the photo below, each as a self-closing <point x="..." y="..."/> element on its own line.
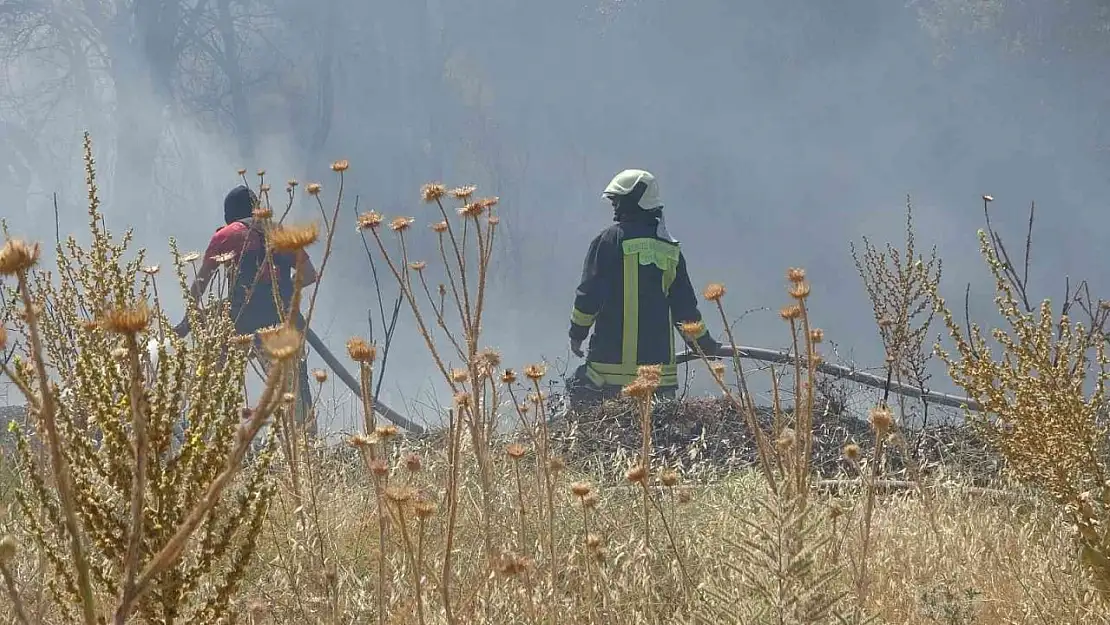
<point x="779" y="131"/>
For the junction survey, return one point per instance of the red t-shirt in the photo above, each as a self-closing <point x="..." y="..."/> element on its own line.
<point x="230" y="240"/>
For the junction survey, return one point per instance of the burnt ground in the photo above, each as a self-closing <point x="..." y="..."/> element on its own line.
<point x="708" y="436"/>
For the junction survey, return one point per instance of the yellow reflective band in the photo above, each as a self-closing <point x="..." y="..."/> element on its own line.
<point x="601" y="373"/>
<point x="631" y="336"/>
<point x="653" y="252"/>
<point x="579" y="318"/>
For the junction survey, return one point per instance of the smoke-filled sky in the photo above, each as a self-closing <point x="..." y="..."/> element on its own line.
<point x="779" y="131"/>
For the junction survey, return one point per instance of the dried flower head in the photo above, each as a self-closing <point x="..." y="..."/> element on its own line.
<point x="119" y="353"/>
<point x="359" y="441"/>
<point x="493" y="220"/>
<point x="515" y="451"/>
<point x="128" y="320"/>
<point x="881" y="419"/>
<point x="691" y="329"/>
<point x="261" y="172"/>
<point x="591" y="500"/>
<point x="432" y="192"/>
<point x="294" y="238"/>
<point x="852" y="452"/>
<point x="669" y="478"/>
<point x="378" y="467"/>
<point x="191" y="257"/>
<point x="714" y="292"/>
<point x="224" y="258"/>
<point x="17" y="257"/>
<point x="400" y="224"/>
<point x="556" y="464"/>
<point x="790" y="313"/>
<point x="817" y="335"/>
<point x="460" y="376"/>
<point x="535" y="372"/>
<point x="418" y="265"/>
<point x="320" y="375"/>
<point x="440" y="227"/>
<point x="799" y="290"/>
<point x="262" y="213"/>
<point x="685" y="495"/>
<point x="242" y="340"/>
<point x="283" y="343"/>
<point x="636" y="474"/>
<point x="795" y="274"/>
<point x="398" y="494"/>
<point x="488" y="202"/>
<point x="340" y="166"/>
<point x="292" y="183"/>
<point x="150" y="270"/>
<point x="717" y="368"/>
<point x="639" y="389"/>
<point x="471" y="209"/>
<point x="593" y="541"/>
<point x="369" y="220"/>
<point x="463" y="192"/>
<point x="424" y="509"/>
<point x="313" y="188"/>
<point x="264" y="187"/>
<point x="241" y="171"/>
<point x="386" y="432"/>
<point x="508" y="376"/>
<point x="490" y="358"/>
<point x="463" y="399"/>
<point x="288" y="398"/>
<point x="413" y="463"/>
<point x="359" y="350"/>
<point x="580" y="489"/>
<point x="786" y="440"/>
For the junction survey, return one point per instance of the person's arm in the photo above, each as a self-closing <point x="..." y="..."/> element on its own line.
<point x="218" y="245"/>
<point x="593" y="288"/>
<point x="684" y="308"/>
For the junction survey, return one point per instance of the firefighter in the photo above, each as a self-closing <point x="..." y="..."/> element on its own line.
<point x="634" y="293"/>
<point x="252" y="300"/>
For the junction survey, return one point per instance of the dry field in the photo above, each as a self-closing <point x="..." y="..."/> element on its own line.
<point x="114" y="514"/>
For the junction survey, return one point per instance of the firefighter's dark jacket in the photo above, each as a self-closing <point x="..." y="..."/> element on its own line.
<point x="634" y="292"/>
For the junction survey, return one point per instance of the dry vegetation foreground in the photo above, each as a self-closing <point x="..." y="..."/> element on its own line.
<point x="146" y="485"/>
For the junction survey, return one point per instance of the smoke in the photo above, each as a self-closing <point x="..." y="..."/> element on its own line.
<point x="778" y="131"/>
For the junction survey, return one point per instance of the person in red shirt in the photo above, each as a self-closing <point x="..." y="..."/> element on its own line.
<point x="241" y="242"/>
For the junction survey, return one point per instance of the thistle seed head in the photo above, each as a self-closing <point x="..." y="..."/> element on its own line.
<point x="691" y="329"/>
<point x="799" y="290"/>
<point x="463" y="192"/>
<point x="515" y="451"/>
<point x="378" y="467"/>
<point x="471" y="209"/>
<point x="790" y="313"/>
<point x="313" y="188"/>
<point x="580" y="489"/>
<point x="262" y="213"/>
<point x="432" y="192"/>
<point x="591" y="500"/>
<point x="294" y="238"/>
<point x="460" y="376"/>
<point x="636" y="474"/>
<point x="418" y="265"/>
<point x="669" y="478"/>
<point x="795" y="275"/>
<point x="881" y="419"/>
<point x="150" y="270"/>
<point x="17" y="257"/>
<point x="508" y="376"/>
<point x="852" y="452"/>
<point x="413" y="463"/>
<point x="535" y="372"/>
<point x="359" y="350"/>
<point x="714" y="292"/>
<point x="400" y="224"/>
<point x="369" y="220"/>
<point x="283" y="344"/>
<point x="128" y="321"/>
<point x="817" y="335"/>
<point x="386" y="432"/>
<point x="340" y="166"/>
<point x="440" y="227"/>
<point x="320" y="375"/>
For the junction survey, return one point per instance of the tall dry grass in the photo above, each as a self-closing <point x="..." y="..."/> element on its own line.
<point x="113" y="519"/>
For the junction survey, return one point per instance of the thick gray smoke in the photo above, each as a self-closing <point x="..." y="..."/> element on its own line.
<point x="779" y="132"/>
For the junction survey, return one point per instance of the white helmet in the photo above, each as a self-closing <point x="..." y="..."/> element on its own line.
<point x="624" y="182"/>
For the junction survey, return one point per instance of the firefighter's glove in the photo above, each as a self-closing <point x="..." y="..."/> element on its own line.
<point x="576" y="347"/>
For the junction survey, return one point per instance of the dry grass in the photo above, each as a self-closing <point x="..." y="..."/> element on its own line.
<point x="111" y="520"/>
